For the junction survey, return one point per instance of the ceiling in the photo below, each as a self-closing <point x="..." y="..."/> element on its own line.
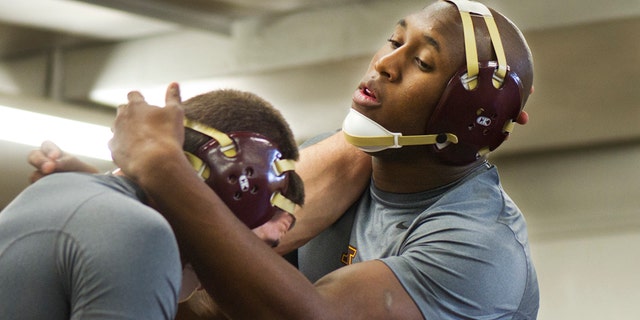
<point x="112" y="46"/>
<point x="29" y="26"/>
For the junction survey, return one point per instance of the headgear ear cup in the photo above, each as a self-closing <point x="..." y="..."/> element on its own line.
<point x="248" y="181"/>
<point x="481" y="101"/>
<point x="480" y="118"/>
<point x="247" y="172"/>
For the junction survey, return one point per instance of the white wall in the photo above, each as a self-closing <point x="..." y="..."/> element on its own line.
<point x="575" y="170"/>
<point x="583" y="212"/>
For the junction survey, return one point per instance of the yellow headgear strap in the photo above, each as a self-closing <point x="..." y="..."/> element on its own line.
<point x="466" y="8"/>
<point x="226" y="144"/>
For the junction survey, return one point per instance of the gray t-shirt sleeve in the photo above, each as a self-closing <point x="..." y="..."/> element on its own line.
<point x="468" y="257"/>
<point x="75" y="246"/>
<point x="455" y="273"/>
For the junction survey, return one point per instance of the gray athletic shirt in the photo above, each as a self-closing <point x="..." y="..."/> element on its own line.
<point x="79" y="246"/>
<point x="460" y="251"/>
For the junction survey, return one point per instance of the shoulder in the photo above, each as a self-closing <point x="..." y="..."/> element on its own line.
<point x="477" y="198"/>
<point x="78" y="185"/>
<point x="471" y="243"/>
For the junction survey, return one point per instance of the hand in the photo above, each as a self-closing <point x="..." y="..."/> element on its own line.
<point x="147" y="138"/>
<point x="50" y="159"/>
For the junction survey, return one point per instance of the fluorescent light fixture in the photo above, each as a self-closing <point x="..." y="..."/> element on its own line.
<point x="76" y="17"/>
<point x="79" y="138"/>
<point x="155" y="94"/>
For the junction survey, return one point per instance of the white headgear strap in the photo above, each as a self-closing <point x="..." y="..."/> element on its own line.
<point x="370" y="136"/>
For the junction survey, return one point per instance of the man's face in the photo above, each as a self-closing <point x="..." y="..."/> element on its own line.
<point x="407" y="76"/>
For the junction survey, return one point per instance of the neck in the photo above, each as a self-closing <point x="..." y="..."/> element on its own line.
<point x="147" y="199"/>
<point x="408" y="171"/>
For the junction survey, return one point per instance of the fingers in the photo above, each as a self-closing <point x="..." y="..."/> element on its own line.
<point x="44" y="160"/>
<point x="135" y="97"/>
<point x="142" y="133"/>
<point x="50" y="158"/>
<point x="36" y="158"/>
<point x="51" y="150"/>
<point x="172" y="97"/>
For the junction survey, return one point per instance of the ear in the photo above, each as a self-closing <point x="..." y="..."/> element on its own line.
<point x="523" y="118"/>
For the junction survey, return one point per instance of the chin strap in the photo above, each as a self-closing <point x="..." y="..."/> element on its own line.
<point x="368" y="135"/>
<point x="397" y="140"/>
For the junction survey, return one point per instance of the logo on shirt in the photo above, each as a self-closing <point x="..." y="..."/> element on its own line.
<point x="347" y="257"/>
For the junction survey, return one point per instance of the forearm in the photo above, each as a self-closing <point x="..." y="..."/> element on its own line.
<point x="229" y="259"/>
<point x="335" y="174"/>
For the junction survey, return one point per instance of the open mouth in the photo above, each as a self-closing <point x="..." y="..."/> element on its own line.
<point x="368" y="92"/>
<point x="365" y="97"/>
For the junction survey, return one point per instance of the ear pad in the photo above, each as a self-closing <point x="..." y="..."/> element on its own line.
<point x="477" y="117"/>
<point x="247" y="181"/>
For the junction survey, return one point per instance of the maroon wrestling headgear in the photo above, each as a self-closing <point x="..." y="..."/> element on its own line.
<point x="476" y="112"/>
<point x="482" y="101"/>
<point x="245" y="169"/>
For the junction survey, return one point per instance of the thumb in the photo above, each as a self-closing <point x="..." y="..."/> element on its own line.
<point x="172" y="97"/>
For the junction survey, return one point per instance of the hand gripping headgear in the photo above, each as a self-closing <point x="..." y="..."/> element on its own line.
<point x="245" y="169"/>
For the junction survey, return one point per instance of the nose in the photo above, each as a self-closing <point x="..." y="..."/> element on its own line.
<point x="387" y="65"/>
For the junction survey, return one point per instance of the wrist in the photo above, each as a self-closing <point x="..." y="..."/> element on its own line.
<point x="152" y="162"/>
<point x="160" y="168"/>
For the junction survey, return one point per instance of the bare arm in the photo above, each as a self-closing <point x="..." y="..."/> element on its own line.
<point x="246" y="277"/>
<point x="334" y="173"/>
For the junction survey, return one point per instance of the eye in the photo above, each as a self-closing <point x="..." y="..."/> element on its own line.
<point x="423" y="65"/>
<point x="394" y="43"/>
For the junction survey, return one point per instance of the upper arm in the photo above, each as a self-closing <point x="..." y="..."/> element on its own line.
<point x="334" y="174"/>
<point x="367" y="290"/>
